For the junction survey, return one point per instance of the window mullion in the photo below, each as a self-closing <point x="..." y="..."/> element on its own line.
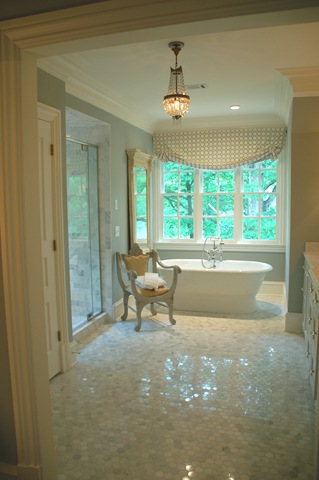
<point x="238" y="208"/>
<point x="197" y="206"/>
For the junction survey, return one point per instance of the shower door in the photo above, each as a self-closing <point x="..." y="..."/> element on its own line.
<point x="83" y="226"/>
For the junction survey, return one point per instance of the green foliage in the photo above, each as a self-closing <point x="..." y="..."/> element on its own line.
<point x="250" y="205"/>
<point x="140" y="205"/>
<point x="170" y="203"/>
<point x="170" y="228"/>
<point x="186" y="205"/>
<point x="140" y="181"/>
<point x="171" y="182"/>
<point x="209" y="204"/>
<point x="77" y="184"/>
<point x="226" y="205"/>
<point x="209" y="227"/>
<point x="141" y="228"/>
<point x="210" y="181"/>
<point x="217" y="201"/>
<point x="250" y="229"/>
<point x="187" y="182"/>
<point x="186" y="228"/>
<point x="268" y="229"/>
<point x="226" y="228"/>
<point x="268" y="205"/>
<point x="227" y="181"/>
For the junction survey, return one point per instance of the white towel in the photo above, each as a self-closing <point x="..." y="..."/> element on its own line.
<point x="150" y="281"/>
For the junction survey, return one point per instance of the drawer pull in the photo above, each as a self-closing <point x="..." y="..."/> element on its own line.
<point x="313" y="333"/>
<point x="307" y="354"/>
<point x="311" y="372"/>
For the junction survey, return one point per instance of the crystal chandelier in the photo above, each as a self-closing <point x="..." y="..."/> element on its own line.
<point x="176" y="102"/>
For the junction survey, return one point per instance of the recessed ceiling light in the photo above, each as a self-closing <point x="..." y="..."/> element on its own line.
<point x="235" y="107"/>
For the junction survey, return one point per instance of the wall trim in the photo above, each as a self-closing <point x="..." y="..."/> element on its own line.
<point x="8" y="469"/>
<point x="118" y="308"/>
<point x="53" y="116"/>
<point x="272" y="288"/>
<point x="293" y="322"/>
<point x="90" y="327"/>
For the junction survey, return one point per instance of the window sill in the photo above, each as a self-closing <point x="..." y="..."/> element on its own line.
<point x="231" y="247"/>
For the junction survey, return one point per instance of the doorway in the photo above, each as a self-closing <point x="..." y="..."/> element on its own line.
<point x="83" y="227"/>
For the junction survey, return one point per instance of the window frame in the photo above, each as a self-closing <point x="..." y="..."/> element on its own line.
<point x="236" y="244"/>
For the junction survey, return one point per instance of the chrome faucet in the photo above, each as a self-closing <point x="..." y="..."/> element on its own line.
<point x="213" y="253"/>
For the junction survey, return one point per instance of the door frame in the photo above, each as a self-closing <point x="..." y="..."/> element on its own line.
<point x="21" y="41"/>
<point x="53" y="116"/>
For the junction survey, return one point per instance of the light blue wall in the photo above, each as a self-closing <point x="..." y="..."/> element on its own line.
<point x="51" y="91"/>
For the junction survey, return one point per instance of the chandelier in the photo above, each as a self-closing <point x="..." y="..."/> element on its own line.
<point x="176" y="102"/>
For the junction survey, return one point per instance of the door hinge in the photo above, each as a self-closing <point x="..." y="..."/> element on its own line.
<point x="52" y="149"/>
<point x="59" y="336"/>
<point x="54" y="245"/>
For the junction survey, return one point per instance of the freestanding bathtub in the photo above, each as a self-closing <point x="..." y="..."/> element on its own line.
<point x="231" y="287"/>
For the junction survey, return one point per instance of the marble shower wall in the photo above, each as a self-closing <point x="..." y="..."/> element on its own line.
<point x="87" y="129"/>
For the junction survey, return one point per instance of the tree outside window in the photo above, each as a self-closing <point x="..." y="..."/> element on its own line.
<point x="237" y="205"/>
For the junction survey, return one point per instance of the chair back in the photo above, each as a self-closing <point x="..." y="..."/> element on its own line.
<point x="137" y="261"/>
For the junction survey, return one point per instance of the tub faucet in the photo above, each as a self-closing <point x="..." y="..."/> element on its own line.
<point x="213" y="253"/>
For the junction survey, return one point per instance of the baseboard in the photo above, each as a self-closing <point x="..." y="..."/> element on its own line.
<point x="73" y="354"/>
<point x="118" y="308"/>
<point x="8" y="471"/>
<point x="91" y="327"/>
<point x="293" y="323"/>
<point x="272" y="288"/>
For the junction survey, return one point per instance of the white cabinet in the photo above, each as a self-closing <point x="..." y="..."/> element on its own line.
<point x="310" y="314"/>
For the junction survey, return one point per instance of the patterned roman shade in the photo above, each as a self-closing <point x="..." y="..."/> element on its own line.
<point x="220" y="149"/>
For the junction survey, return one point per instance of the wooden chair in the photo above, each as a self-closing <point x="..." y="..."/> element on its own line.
<point x="135" y="264"/>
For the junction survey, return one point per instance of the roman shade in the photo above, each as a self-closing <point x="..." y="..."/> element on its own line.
<point x="219" y="149"/>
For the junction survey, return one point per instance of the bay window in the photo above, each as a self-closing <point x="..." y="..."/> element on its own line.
<point x="240" y="205"/>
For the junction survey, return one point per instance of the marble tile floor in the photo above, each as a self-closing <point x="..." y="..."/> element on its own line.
<point x="210" y="398"/>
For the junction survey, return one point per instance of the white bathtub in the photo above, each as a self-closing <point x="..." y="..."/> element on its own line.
<point x="231" y="287"/>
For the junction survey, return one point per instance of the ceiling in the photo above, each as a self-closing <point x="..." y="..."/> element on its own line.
<point x="245" y="66"/>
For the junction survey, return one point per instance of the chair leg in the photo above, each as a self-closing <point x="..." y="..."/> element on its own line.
<point x="153" y="310"/>
<point x="125" y="302"/>
<point x="139" y="308"/>
<point x="169" y="303"/>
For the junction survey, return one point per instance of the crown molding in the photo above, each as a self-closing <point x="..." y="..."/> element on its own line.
<point x="304" y="80"/>
<point x="283" y="97"/>
<point x="87" y="89"/>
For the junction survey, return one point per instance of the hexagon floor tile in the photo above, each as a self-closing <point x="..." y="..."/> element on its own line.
<point x="210" y="398"/>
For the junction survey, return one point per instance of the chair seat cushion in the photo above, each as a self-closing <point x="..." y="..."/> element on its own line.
<point x="152" y="293"/>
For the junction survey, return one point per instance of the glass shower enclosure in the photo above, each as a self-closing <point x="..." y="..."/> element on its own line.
<point x="83" y="228"/>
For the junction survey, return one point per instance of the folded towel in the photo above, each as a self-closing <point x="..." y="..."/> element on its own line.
<point x="150" y="281"/>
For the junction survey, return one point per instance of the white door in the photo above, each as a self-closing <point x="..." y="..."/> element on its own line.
<point x="46" y="162"/>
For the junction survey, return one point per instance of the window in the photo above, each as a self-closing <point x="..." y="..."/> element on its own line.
<point x="178" y="201"/>
<point x="140" y="192"/>
<point x="239" y="205"/>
